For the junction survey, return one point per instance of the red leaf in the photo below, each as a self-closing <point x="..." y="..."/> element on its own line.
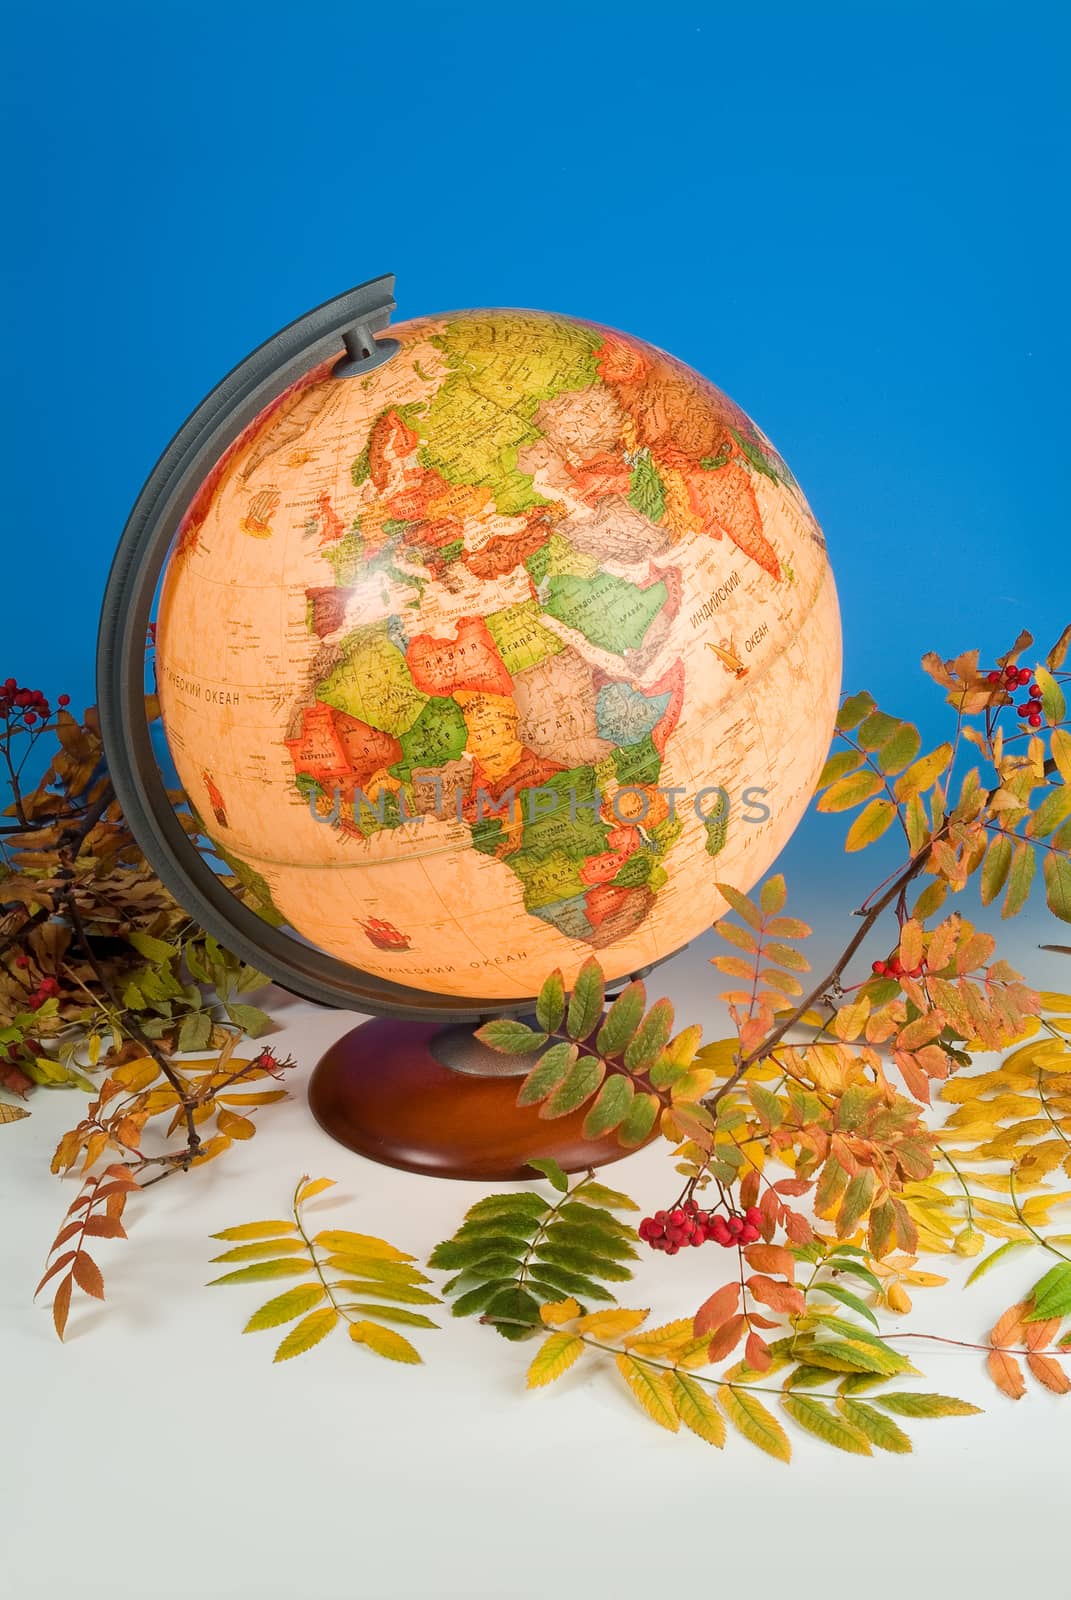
<point x="87" y="1275"/>
<point x="792" y="1186"/>
<point x="781" y="1296"/>
<point x="105" y="1228"/>
<point x="718" y="1308"/>
<point x="757" y="1353"/>
<point x="726" y="1339"/>
<point x="798" y="1228"/>
<point x="749" y="1189"/>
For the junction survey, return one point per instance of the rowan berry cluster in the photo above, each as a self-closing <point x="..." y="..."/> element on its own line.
<point x="1014" y="678"/>
<point x="687" y="1224"/>
<point x="894" y="968"/>
<point x="29" y="704"/>
<point x="47" y="989"/>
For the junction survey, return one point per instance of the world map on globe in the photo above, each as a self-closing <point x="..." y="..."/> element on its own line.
<point x="498" y="655"/>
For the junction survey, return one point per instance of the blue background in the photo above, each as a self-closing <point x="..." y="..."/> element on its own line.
<point x="852" y="217"/>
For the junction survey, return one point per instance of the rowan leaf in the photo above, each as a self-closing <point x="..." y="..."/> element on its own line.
<point x="61" y="1305"/>
<point x="880" y="1430"/>
<point x="1048" y="1371"/>
<point x="854" y="709"/>
<point x="651" y="1388"/>
<point x="908" y="1404"/>
<point x="611" y="1106"/>
<point x="260" y="1249"/>
<point x="622" y="1020"/>
<point x="510" y="1037"/>
<point x="285" y="1307"/>
<point x="555" y="1355"/>
<point x="851" y="791"/>
<point x="257" y="1230"/>
<point x="819" y="1419"/>
<point x="87" y="1275"/>
<point x="385" y="1342"/>
<point x="558" y="1311"/>
<point x="745" y="908"/>
<point x="361" y="1244"/>
<point x="586" y="1000"/>
<point x="548" y="1074"/>
<point x="870" y="824"/>
<point x="312" y="1187"/>
<point x="284" y="1267"/>
<point x="1006" y="1373"/>
<point x="580" y="1083"/>
<point x="552" y="1172"/>
<point x="923" y="773"/>
<point x="1020" y="878"/>
<point x="1053" y="703"/>
<point x="995" y="867"/>
<point x="1051" y="1295"/>
<point x="751" y="1418"/>
<point x="650" y="1038"/>
<point x="550" y="1007"/>
<point x="309" y="1331"/>
<point x="640" y="1120"/>
<point x="1057" y="871"/>
<point x="899" y="751"/>
<point x="696" y="1409"/>
<point x="847" y="1298"/>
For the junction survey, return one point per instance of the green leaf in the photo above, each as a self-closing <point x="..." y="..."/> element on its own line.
<point x="590" y="1237"/>
<point x="1057" y="871"/>
<point x="1051" y="1295"/>
<point x="878" y="1429"/>
<point x="877" y="729"/>
<point x="285" y="1307"/>
<point x="587" y="1262"/>
<point x="550" y="1007"/>
<point x="250" y="1019"/>
<point x="640" y="1120"/>
<point x="751" y="1418"/>
<point x="479" y="1298"/>
<point x="847" y="1298"/>
<point x="850" y="791"/>
<point x="854" y="709"/>
<point x="552" y="1172"/>
<point x="514" y="1313"/>
<point x="290" y="1267"/>
<point x="650" y="1037"/>
<point x="548" y="1074"/>
<point x="468" y="1254"/>
<point x="610" y="1108"/>
<point x="899" y="751"/>
<point x="825" y="1424"/>
<point x="309" y="1331"/>
<point x="585" y="1002"/>
<point x="1052" y="696"/>
<point x="562" y="1281"/>
<point x="599" y="1194"/>
<point x="1053" y="810"/>
<point x="857" y="1269"/>
<point x="195" y="1032"/>
<point x="925" y="1405"/>
<point x="513" y="1204"/>
<point x="581" y="1081"/>
<point x="856" y="1202"/>
<point x="994" y="1257"/>
<point x="838" y="764"/>
<point x="622" y="1020"/>
<point x="1020" y="878"/>
<point x="510" y="1037"/>
<point x="995" y="867"/>
<point x="745" y="908"/>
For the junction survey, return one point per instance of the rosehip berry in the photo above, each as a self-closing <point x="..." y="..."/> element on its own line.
<point x="878" y="969"/>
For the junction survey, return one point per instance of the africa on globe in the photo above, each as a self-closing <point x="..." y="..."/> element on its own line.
<point x="498" y="655"/>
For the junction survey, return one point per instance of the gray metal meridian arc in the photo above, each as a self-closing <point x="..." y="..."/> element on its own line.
<point x="143" y="548"/>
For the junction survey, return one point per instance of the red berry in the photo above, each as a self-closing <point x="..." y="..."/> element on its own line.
<point x="878" y="969"/>
<point x="660" y="1216"/>
<point x="718" y="1230"/>
<point x="749" y="1233"/>
<point x="63" y="700"/>
<point x="895" y="969"/>
<point x="992" y="677"/>
<point x="29" y="717"/>
<point x="678" y="1218"/>
<point x="1034" y="692"/>
<point x="1025" y="675"/>
<point x="1035" y="721"/>
<point x="735" y="1224"/>
<point x="754" y="1216"/>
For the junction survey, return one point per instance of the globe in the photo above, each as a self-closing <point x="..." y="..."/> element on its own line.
<point x="499" y="655"/>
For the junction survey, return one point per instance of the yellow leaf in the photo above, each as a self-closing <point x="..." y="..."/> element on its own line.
<point x="555" y="1355"/>
<point x="697" y="1410"/>
<point x="666" y="1340"/>
<point x="385" y="1342"/>
<point x="285" y="1307"/>
<point x="234" y="1126"/>
<point x="257" y="1230"/>
<point x="611" y="1324"/>
<point x="558" y="1311"/>
<point x="135" y="1075"/>
<point x="363" y="1244"/>
<point x="751" y="1418"/>
<point x="10" y="1113"/>
<point x="312" y="1187"/>
<point x="870" y="824"/>
<point x="309" y="1331"/>
<point x="651" y="1389"/>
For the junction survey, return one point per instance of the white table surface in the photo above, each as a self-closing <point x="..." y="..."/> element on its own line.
<point x="159" y="1453"/>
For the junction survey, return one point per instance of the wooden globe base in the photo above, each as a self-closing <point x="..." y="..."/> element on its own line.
<point x="433" y="1099"/>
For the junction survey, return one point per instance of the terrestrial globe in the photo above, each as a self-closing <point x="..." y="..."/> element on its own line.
<point x="481" y="648"/>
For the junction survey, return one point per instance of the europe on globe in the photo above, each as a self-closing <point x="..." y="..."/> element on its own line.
<point x="498" y="655"/>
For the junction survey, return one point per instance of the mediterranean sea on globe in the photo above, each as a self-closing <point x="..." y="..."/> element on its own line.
<point x="499" y="655"/>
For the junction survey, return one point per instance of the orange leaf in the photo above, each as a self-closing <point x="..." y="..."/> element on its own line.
<point x="757" y="1353"/>
<point x="105" y="1228"/>
<point x="726" y="1339"/>
<point x="1036" y="1335"/>
<point x="1008" y="1329"/>
<point x="781" y="1296"/>
<point x="87" y="1275"/>
<point x="1049" y="1372"/>
<point x="771" y="1258"/>
<point x="717" y="1309"/>
<point x="1006" y="1373"/>
<point x="61" y="1305"/>
<point x="57" y="1266"/>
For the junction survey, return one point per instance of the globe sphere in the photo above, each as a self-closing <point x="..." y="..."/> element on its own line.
<point x="499" y="655"/>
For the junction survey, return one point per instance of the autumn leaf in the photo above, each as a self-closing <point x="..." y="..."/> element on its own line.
<point x="651" y="1388"/>
<point x="309" y="1331"/>
<point x="385" y="1342"/>
<point x="696" y="1409"/>
<point x="751" y="1418"/>
<point x="1047" y="1370"/>
<point x="717" y="1309"/>
<point x="1006" y="1373"/>
<point x="554" y="1356"/>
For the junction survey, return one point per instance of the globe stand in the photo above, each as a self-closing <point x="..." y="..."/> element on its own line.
<point x="434" y="1099"/>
